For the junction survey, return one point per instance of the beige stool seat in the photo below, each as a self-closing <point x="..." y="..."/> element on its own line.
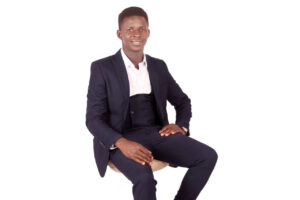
<point x="155" y="166"/>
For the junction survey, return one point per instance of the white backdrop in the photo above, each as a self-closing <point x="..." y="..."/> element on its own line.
<point x="237" y="60"/>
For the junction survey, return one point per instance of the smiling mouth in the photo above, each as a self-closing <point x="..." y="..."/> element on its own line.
<point x="136" y="42"/>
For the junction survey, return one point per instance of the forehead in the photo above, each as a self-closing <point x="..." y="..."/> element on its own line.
<point x="134" y="21"/>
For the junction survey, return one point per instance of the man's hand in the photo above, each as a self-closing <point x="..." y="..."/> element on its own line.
<point x="171" y="129"/>
<point x="134" y="151"/>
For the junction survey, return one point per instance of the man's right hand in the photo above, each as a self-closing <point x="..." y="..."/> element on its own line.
<point x="134" y="151"/>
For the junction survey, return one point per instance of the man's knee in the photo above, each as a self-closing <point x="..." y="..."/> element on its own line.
<point x="211" y="156"/>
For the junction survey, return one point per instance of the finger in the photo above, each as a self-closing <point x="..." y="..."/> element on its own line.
<point x="164" y="133"/>
<point x="143" y="158"/>
<point x="167" y="130"/>
<point x="138" y="160"/>
<point x="163" y="129"/>
<point x="146" y="151"/>
<point x="179" y="131"/>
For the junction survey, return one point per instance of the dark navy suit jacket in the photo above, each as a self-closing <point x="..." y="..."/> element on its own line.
<point x="108" y="100"/>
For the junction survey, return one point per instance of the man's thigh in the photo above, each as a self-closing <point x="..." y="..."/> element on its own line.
<point x="182" y="150"/>
<point x="131" y="169"/>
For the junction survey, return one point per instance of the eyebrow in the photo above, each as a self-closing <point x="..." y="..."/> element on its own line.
<point x="137" y="27"/>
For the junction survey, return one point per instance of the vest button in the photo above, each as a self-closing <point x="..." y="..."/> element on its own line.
<point x="132" y="112"/>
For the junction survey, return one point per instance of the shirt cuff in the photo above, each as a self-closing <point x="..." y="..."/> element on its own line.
<point x="184" y="129"/>
<point x="112" y="147"/>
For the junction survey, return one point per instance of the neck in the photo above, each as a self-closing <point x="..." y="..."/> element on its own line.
<point x="134" y="57"/>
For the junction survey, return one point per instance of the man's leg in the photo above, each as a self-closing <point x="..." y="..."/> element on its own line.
<point x="187" y="152"/>
<point x="141" y="176"/>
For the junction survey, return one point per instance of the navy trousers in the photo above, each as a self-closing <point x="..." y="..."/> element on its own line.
<point x="177" y="149"/>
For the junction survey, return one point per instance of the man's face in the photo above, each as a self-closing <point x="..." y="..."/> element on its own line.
<point x="134" y="33"/>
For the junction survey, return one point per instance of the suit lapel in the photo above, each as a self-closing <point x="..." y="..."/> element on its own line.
<point x="121" y="73"/>
<point x="153" y="76"/>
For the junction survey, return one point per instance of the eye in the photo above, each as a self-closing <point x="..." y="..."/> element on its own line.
<point x="130" y="29"/>
<point x="142" y="29"/>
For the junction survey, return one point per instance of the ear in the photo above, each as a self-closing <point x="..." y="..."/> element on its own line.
<point x="148" y="32"/>
<point x="119" y="34"/>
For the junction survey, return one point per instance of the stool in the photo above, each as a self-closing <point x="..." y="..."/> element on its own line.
<point x="155" y="166"/>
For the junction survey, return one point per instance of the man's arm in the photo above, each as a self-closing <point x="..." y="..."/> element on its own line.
<point x="181" y="103"/>
<point x="97" y="112"/>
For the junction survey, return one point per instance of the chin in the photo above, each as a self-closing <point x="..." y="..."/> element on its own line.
<point x="136" y="49"/>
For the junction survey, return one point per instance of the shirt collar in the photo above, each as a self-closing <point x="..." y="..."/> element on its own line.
<point x="129" y="64"/>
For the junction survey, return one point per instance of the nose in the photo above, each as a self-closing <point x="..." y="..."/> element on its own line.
<point x="136" y="33"/>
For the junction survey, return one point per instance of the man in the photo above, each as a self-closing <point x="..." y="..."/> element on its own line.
<point x="126" y="113"/>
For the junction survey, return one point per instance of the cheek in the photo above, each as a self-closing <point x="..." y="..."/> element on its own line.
<point x="147" y="34"/>
<point x="127" y="38"/>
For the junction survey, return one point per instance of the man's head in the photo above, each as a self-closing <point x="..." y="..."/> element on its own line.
<point x="132" y="11"/>
<point x="133" y="29"/>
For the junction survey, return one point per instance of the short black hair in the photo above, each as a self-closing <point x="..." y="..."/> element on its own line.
<point x="132" y="11"/>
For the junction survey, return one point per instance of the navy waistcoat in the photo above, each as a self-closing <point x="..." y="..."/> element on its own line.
<point x="141" y="112"/>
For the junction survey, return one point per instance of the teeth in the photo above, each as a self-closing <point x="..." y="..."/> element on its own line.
<point x="136" y="42"/>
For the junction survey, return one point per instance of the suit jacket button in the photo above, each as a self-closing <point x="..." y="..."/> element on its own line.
<point x="132" y="112"/>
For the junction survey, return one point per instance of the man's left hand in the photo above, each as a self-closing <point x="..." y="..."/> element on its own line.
<point x="171" y="129"/>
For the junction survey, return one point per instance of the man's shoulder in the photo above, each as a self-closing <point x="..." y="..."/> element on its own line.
<point x="157" y="63"/>
<point x="155" y="60"/>
<point x="103" y="61"/>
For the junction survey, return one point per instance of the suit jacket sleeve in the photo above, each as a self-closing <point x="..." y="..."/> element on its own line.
<point x="181" y="102"/>
<point x="97" y="109"/>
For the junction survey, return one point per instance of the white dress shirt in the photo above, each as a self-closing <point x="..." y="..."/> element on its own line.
<point x="139" y="82"/>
